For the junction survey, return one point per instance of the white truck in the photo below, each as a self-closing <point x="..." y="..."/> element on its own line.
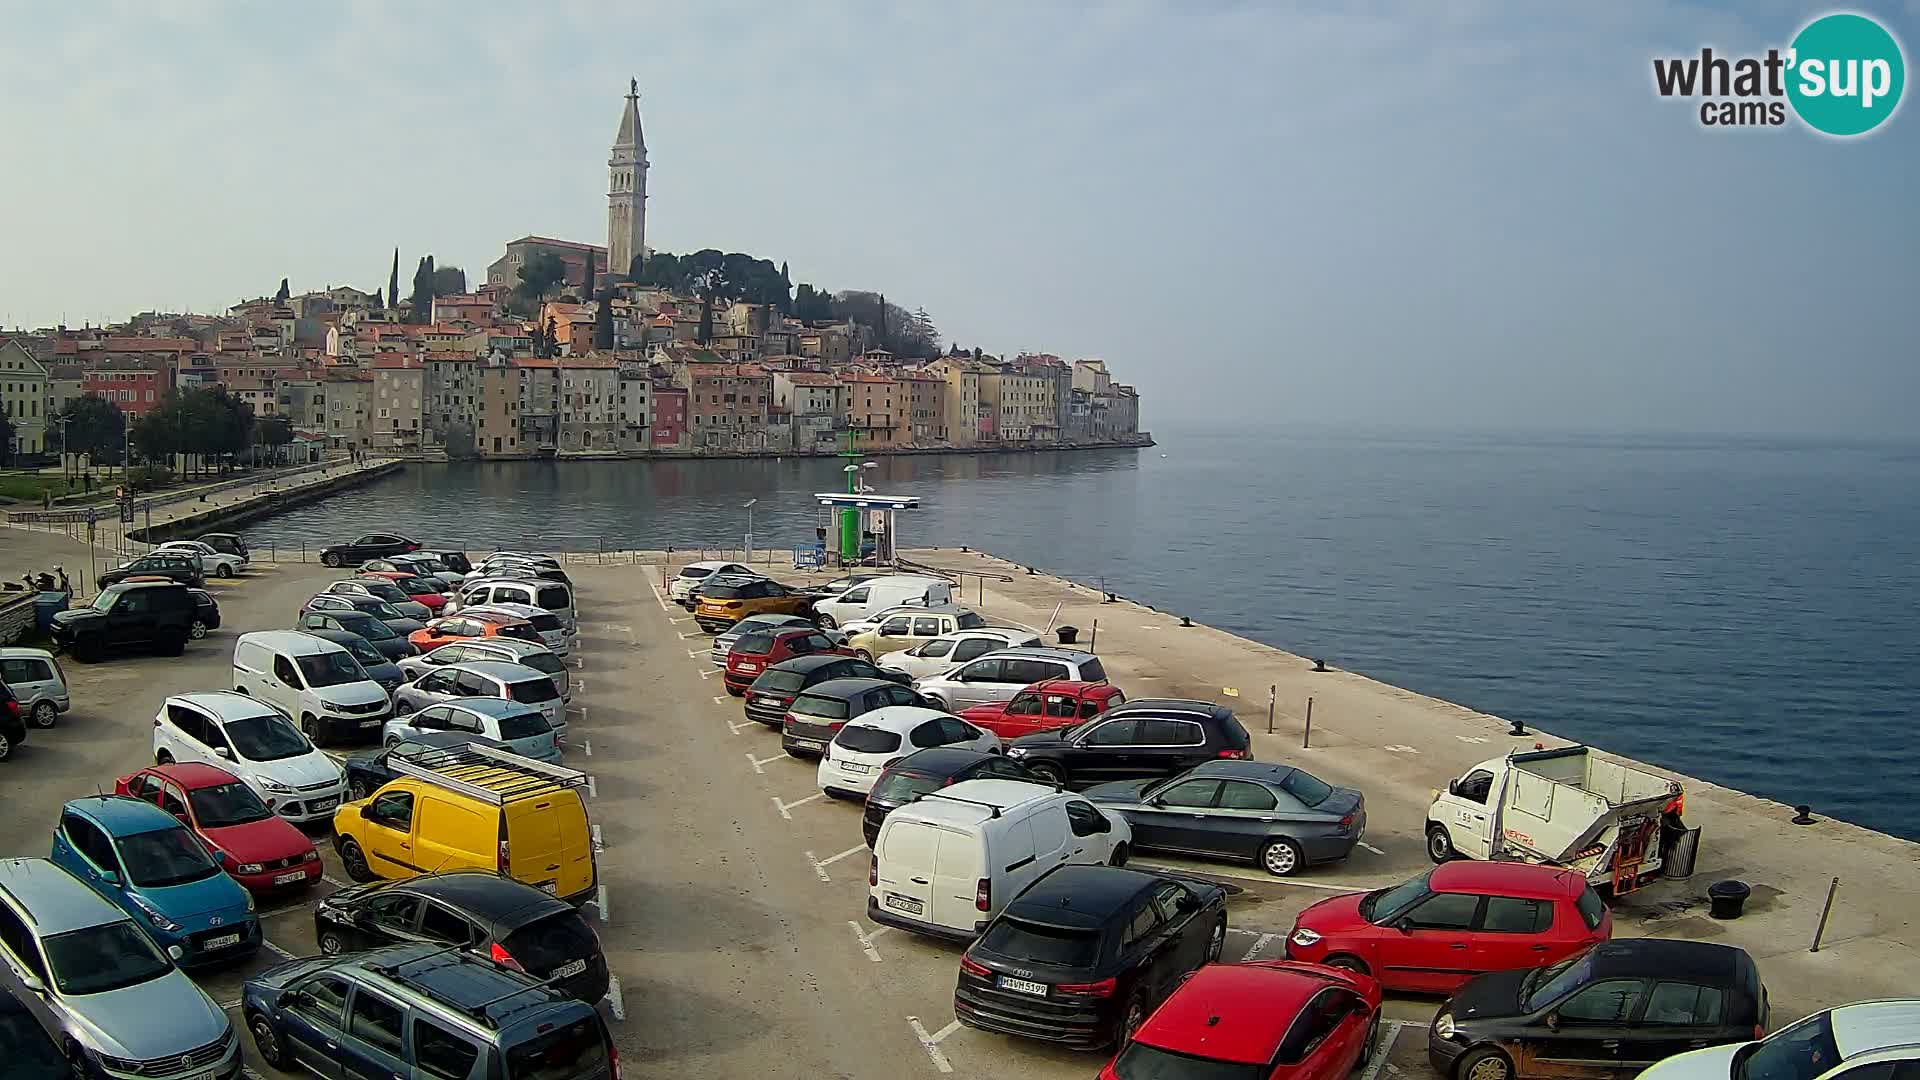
<point x="1566" y="807"/>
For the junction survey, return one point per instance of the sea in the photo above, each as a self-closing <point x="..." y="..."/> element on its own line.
<point x="1739" y="609"/>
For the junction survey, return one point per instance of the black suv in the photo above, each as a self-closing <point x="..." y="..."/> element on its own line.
<point x="910" y="777"/>
<point x="179" y="568"/>
<point x="370" y="546"/>
<point x="1140" y="740"/>
<point x="156" y="614"/>
<point x="775" y="689"/>
<point x="515" y="924"/>
<point x="1086" y="953"/>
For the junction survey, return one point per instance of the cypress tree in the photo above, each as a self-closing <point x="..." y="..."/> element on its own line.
<point x="603" y="323"/>
<point x="393" y="282"/>
<point x="593" y="272"/>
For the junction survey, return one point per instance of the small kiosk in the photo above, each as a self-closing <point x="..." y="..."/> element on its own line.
<point x="862" y="517"/>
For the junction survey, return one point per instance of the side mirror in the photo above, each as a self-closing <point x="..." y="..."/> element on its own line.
<point x="33" y="984"/>
<point x="1453" y="787"/>
<point x="1405" y="926"/>
<point x="1553" y="1021"/>
<point x="110" y="878"/>
<point x="221" y="751"/>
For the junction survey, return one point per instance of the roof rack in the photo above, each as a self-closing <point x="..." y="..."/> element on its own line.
<point x="993" y="809"/>
<point x="472" y="769"/>
<point x="478" y="1011"/>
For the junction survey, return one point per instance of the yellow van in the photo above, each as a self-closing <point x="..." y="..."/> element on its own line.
<point x="470" y="807"/>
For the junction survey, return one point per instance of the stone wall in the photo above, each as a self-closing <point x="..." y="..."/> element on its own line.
<point x="16" y="617"/>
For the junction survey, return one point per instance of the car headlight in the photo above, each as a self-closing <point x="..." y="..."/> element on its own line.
<point x="276" y="787"/>
<point x="252" y="867"/>
<point x="123" y="1065"/>
<point x="159" y="921"/>
<point x="1016" y="751"/>
<point x="1304" y="936"/>
<point x="312" y="855"/>
<point x="1443" y="1025"/>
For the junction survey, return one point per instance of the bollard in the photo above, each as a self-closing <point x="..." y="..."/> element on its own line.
<point x="1803" y="815"/>
<point x="1272" y="692"/>
<point x="1319" y="665"/>
<point x="1306" y="733"/>
<point x="1094" y="638"/>
<point x="1825" y="910"/>
<point x="1184" y="621"/>
<point x="1516" y="728"/>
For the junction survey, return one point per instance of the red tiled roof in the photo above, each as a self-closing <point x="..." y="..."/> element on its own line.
<point x="548" y="241"/>
<point x="811" y="378"/>
<point x="394" y="362"/>
<point x="537" y="362"/>
<point x="589" y="361"/>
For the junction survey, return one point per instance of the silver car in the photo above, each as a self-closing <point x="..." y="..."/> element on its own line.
<point x="371" y="605"/>
<point x="485" y="678"/>
<point x="520" y="728"/>
<point x="379" y="588"/>
<point x="998" y="676"/>
<point x="511" y="650"/>
<point x="38" y="682"/>
<point x="95" y="980"/>
<point x="553" y="632"/>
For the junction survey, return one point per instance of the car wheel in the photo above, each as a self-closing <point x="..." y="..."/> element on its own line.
<point x="355" y="861"/>
<point x="331" y="943"/>
<point x="86" y="651"/>
<point x="1282" y="858"/>
<point x="1131" y="1018"/>
<point x="328" y="558"/>
<point x="310" y="728"/>
<point x="6" y="746"/>
<point x="1218" y="941"/>
<point x="266" y="1042"/>
<point x="357" y="790"/>
<point x="736" y="693"/>
<point x="77" y="1066"/>
<point x="1439" y="843"/>
<point x="1484" y="1063"/>
<point x="825" y="622"/>
<point x="1119" y="856"/>
<point x="199" y="629"/>
<point x="163" y="758"/>
<point x="865" y="655"/>
<point x="1347" y="963"/>
<point x="176" y="644"/>
<point x="1047" y="773"/>
<point x="1371" y="1046"/>
<point x="45" y="715"/>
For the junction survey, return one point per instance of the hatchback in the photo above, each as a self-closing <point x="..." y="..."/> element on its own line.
<point x="998" y="676"/>
<point x="906" y="779"/>
<point x="179" y="566"/>
<point x="1140" y="740"/>
<point x="512" y="650"/>
<point x="1279" y="818"/>
<point x="758" y="650"/>
<point x="378" y="633"/>
<point x="723" y="642"/>
<point x="213" y="561"/>
<point x="1459" y="920"/>
<point x="551" y="596"/>
<point x="819" y="712"/>
<point x="136" y="855"/>
<point x="874" y="740"/>
<point x="255" y="742"/>
<point x="942" y="654"/>
<point x="38" y="683"/>
<point x="725" y="603"/>
<point x="1047" y="706"/>
<point x="1267" y="1019"/>
<point x="487" y="679"/>
<point x="1086" y="952"/>
<point x="553" y="632"/>
<point x="423" y="591"/>
<point x="681" y="587"/>
<point x="518" y="727"/>
<point x="774" y="692"/>
<point x="413" y="567"/>
<point x="449" y="628"/>
<point x="256" y="847"/>
<point x="206" y="614"/>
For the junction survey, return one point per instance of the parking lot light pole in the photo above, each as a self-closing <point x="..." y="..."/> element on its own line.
<point x="749" y="545"/>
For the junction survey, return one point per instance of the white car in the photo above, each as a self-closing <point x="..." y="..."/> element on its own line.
<point x="1867" y="1039"/>
<point x="213" y="561"/>
<point x="255" y="742"/>
<point x="948" y="651"/>
<point x="694" y="573"/>
<point x="872" y="741"/>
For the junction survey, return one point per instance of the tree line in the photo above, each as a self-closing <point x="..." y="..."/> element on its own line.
<point x="204" y="424"/>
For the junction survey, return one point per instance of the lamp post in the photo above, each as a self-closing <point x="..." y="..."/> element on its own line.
<point x="749" y="545"/>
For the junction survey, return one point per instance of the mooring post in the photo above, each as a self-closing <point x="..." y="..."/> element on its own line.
<point x="1306" y="734"/>
<point x="1272" y="692"/>
<point x="1825" y="910"/>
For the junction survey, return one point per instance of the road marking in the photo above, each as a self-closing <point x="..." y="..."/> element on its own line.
<point x="783" y="807"/>
<point x="675" y="621"/>
<point x="581" y="709"/>
<point x="1259" y="947"/>
<point x="719" y="699"/>
<point x="580" y="684"/>
<point x="931" y="1043"/>
<point x="1385" y="1049"/>
<point x="735" y="727"/>
<point x="275" y="949"/>
<point x="614" y="1001"/>
<point x="1371" y="848"/>
<point x="711" y="674"/>
<point x="866" y="940"/>
<point x="333" y="881"/>
<point x="593" y="792"/>
<point x="1397" y="748"/>
<point x="600" y="902"/>
<point x="618" y="628"/>
<point x="760" y="764"/>
<point x="820" y="865"/>
<point x="587" y="745"/>
<point x="1471" y="738"/>
<point x="695" y="634"/>
<point x="577" y="663"/>
<point x="698" y="654"/>
<point x="599" y="844"/>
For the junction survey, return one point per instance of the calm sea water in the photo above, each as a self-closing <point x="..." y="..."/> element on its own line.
<point x="1742" y="610"/>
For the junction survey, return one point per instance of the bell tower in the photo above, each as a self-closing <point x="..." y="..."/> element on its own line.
<point x="627" y="189"/>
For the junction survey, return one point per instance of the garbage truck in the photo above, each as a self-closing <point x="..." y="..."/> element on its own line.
<point x="1566" y="807"/>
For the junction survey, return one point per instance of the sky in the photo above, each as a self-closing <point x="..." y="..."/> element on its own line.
<point x="1427" y="215"/>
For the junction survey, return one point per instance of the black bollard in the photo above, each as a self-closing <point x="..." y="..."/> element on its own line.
<point x="1803" y="815"/>
<point x="1517" y="728"/>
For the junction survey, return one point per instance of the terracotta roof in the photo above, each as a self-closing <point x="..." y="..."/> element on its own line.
<point x="541" y="362"/>
<point x="703" y="370"/>
<point x="394" y="362"/>
<point x="811" y="378"/>
<point x="548" y="241"/>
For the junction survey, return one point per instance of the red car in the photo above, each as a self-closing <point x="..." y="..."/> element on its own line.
<point x="418" y="589"/>
<point x="759" y="650"/>
<point x="1266" y="1020"/>
<point x="263" y="852"/>
<point x="1458" y="920"/>
<point x="1044" y="706"/>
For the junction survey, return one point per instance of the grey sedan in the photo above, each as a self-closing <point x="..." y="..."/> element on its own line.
<point x="1275" y="816"/>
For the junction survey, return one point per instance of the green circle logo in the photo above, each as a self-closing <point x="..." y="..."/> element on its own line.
<point x="1846" y="74"/>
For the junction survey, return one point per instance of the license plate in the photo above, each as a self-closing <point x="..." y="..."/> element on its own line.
<point x="288" y="879"/>
<point x="318" y="805"/>
<point x="1023" y="986"/>
<point x="551" y="888"/>
<point x="906" y="904"/>
<point x="811" y="744"/>
<point x="566" y="970"/>
<point x="221" y="942"/>
<point x="371" y="723"/>
<point x="854" y="768"/>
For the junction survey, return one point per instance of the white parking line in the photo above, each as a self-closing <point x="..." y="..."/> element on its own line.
<point x="333" y="881"/>
<point x="615" y="1002"/>
<point x="275" y="949"/>
<point x="600" y="902"/>
<point x="719" y="699"/>
<point x="1259" y="947"/>
<point x="931" y="1043"/>
<point x="1385" y="1049"/>
<point x="783" y="807"/>
<point x="265" y="915"/>
<point x="698" y="654"/>
<point x="689" y="618"/>
<point x="710" y="674"/>
<point x="760" y="764"/>
<point x="581" y="709"/>
<point x="866" y="940"/>
<point x="820" y="865"/>
<point x="599" y="845"/>
<point x="695" y="634"/>
<point x="587" y="745"/>
<point x="618" y="628"/>
<point x="1371" y="848"/>
<point x="577" y="663"/>
<point x="580" y="683"/>
<point x="736" y="726"/>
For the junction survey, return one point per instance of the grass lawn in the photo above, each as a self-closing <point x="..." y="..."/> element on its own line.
<point x="27" y="486"/>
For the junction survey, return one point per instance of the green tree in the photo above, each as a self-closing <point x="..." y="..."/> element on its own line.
<point x="812" y="304"/>
<point x="540" y="275"/>
<point x="274" y="432"/>
<point x="603" y="322"/>
<point x="6" y="439"/>
<point x="449" y="281"/>
<point x="393" y="281"/>
<point x="553" y="336"/>
<point x="95" y="427"/>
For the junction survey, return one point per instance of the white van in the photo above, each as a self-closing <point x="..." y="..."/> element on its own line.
<point x="874" y="594"/>
<point x="944" y="866"/>
<point x="316" y="682"/>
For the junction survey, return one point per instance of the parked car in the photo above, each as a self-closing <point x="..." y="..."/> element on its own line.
<point x="13" y="729"/>
<point x="511" y="567"/>
<point x="312" y="680"/>
<point x="100" y="986"/>
<point x="874" y="740"/>
<point x="1433" y="933"/>
<point x="332" y="602"/>
<point x="509" y="649"/>
<point x="445" y="580"/>
<point x="143" y="613"/>
<point x="485" y="679"/>
<point x="939" y="655"/>
<point x="1047" y="706"/>
<point x="550" y="596"/>
<point x="1279" y="818"/>
<point x="905" y="779"/>
<point x="182" y="567"/>
<point x="463" y="1017"/>
<point x="949" y="862"/>
<point x="998" y="676"/>
<point x="775" y="690"/>
<point x="213" y="561"/>
<point x="1867" y="1039"/>
<point x="229" y="543"/>
<point x="722" y="604"/>
<point x="516" y="926"/>
<point x="375" y="587"/>
<point x="431" y="564"/>
<point x="136" y="855"/>
<point x="256" y="743"/>
<point x="421" y="590"/>
<point x="913" y="627"/>
<point x="681" y="587"/>
<point x="366" y="774"/>
<point x="372" y="660"/>
<point x="450" y="628"/>
<point x="31" y="1054"/>
<point x="723" y="642"/>
<point x="455" y="561"/>
<point x="756" y="651"/>
<point x="553" y="632"/>
<point x="1269" y="1018"/>
<point x="1627" y="1003"/>
<point x="256" y="847"/>
<point x="520" y="728"/>
<point x="206" y="614"/>
<point x="876" y="594"/>
<point x="473" y="807"/>
<point x="379" y="633"/>
<point x="1084" y="955"/>
<point x="38" y="682"/>
<point x="847" y="581"/>
<point x="818" y="712"/>
<point x="1144" y="739"/>
<point x="370" y="546"/>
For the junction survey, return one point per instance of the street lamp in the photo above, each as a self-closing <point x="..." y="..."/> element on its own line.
<point x="749" y="509"/>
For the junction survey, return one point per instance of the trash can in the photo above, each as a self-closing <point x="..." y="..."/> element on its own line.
<point x="1068" y="634"/>
<point x="44" y="607"/>
<point x="1725" y="899"/>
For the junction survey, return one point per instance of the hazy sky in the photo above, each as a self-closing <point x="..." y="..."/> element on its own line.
<point x="1443" y="215"/>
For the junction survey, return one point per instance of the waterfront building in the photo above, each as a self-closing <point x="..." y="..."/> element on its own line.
<point x="967" y="415"/>
<point x="539" y="398"/>
<point x="135" y="383"/>
<point x="667" y="425"/>
<point x="815" y="404"/>
<point x="873" y="411"/>
<point x="1091" y="376"/>
<point x="926" y="406"/>
<point x="399" y="403"/>
<point x="726" y="404"/>
<point x="348" y="392"/>
<point x="23" y="396"/>
<point x="627" y="188"/>
<point x="635" y="407"/>
<point x="497" y="425"/>
<point x="452" y="387"/>
<point x="589" y="404"/>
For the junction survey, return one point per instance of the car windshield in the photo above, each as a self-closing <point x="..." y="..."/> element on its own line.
<point x="378" y="608"/>
<point x="524" y="726"/>
<point x="1142" y="1062"/>
<point x="532" y="691"/>
<point x="416" y="586"/>
<point x="104" y="602"/>
<point x="331" y="669"/>
<point x="385" y="591"/>
<point x="102" y="958"/>
<point x="779" y="682"/>
<point x="1308" y="789"/>
<point x="546" y="621"/>
<point x="1801" y="1051"/>
<point x="270" y="737"/>
<point x="165" y="857"/>
<point x="523" y="630"/>
<point x="867" y="740"/>
<point x="579" y="1049"/>
<point x="721" y="592"/>
<point x="365" y="625"/>
<point x="226" y="804"/>
<point x="1383" y="904"/>
<point x="362" y="651"/>
<point x="969" y="620"/>
<point x="815" y="705"/>
<point x="1019" y="940"/>
<point x="904" y="787"/>
<point x="432" y="566"/>
<point x="1552" y="983"/>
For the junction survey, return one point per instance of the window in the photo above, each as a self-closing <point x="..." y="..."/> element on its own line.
<point x="896" y="627"/>
<point x="971" y="648"/>
<point x="394" y="810"/>
<point x="439" y="1052"/>
<point x="1244" y="795"/>
<point x="1445" y="911"/>
<point x="474" y="684"/>
<point x="1028" y="672"/>
<point x="1475" y="787"/>
<point x="927" y="734"/>
<point x="1143" y="924"/>
<point x="173" y="802"/>
<point x="1317" y="1021"/>
<point x="955" y="731"/>
<point x="925" y="627"/>
<point x="1114" y="733"/>
<point x="1510" y="915"/>
<point x="1592" y="908"/>
<point x="19" y="941"/>
<point x="190" y="723"/>
<point x="1190" y="793"/>
<point x="1607" y="1002"/>
<point x="90" y="842"/>
<point x="283" y="670"/>
<point x="24" y="671"/>
<point x="322" y="998"/>
<point x="376" y="1022"/>
<point x="443" y="925"/>
<point x="145" y="786"/>
<point x="1171" y="733"/>
<point x="989" y="670"/>
<point x="394" y="911"/>
<point x="1684" y="1003"/>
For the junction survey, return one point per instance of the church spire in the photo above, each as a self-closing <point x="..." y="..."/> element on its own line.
<point x="627" y="190"/>
<point x="630" y="133"/>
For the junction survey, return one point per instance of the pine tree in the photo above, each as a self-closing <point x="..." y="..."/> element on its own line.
<point x="603" y="323"/>
<point x="393" y="281"/>
<point x="378" y="300"/>
<point x="553" y="336"/>
<point x="705" y="335"/>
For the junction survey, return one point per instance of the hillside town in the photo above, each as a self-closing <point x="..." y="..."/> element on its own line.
<point x="575" y="350"/>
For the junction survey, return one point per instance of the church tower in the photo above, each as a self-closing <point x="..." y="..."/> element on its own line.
<point x="627" y="189"/>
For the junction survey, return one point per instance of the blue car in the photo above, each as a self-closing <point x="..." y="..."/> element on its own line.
<point x="140" y="857"/>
